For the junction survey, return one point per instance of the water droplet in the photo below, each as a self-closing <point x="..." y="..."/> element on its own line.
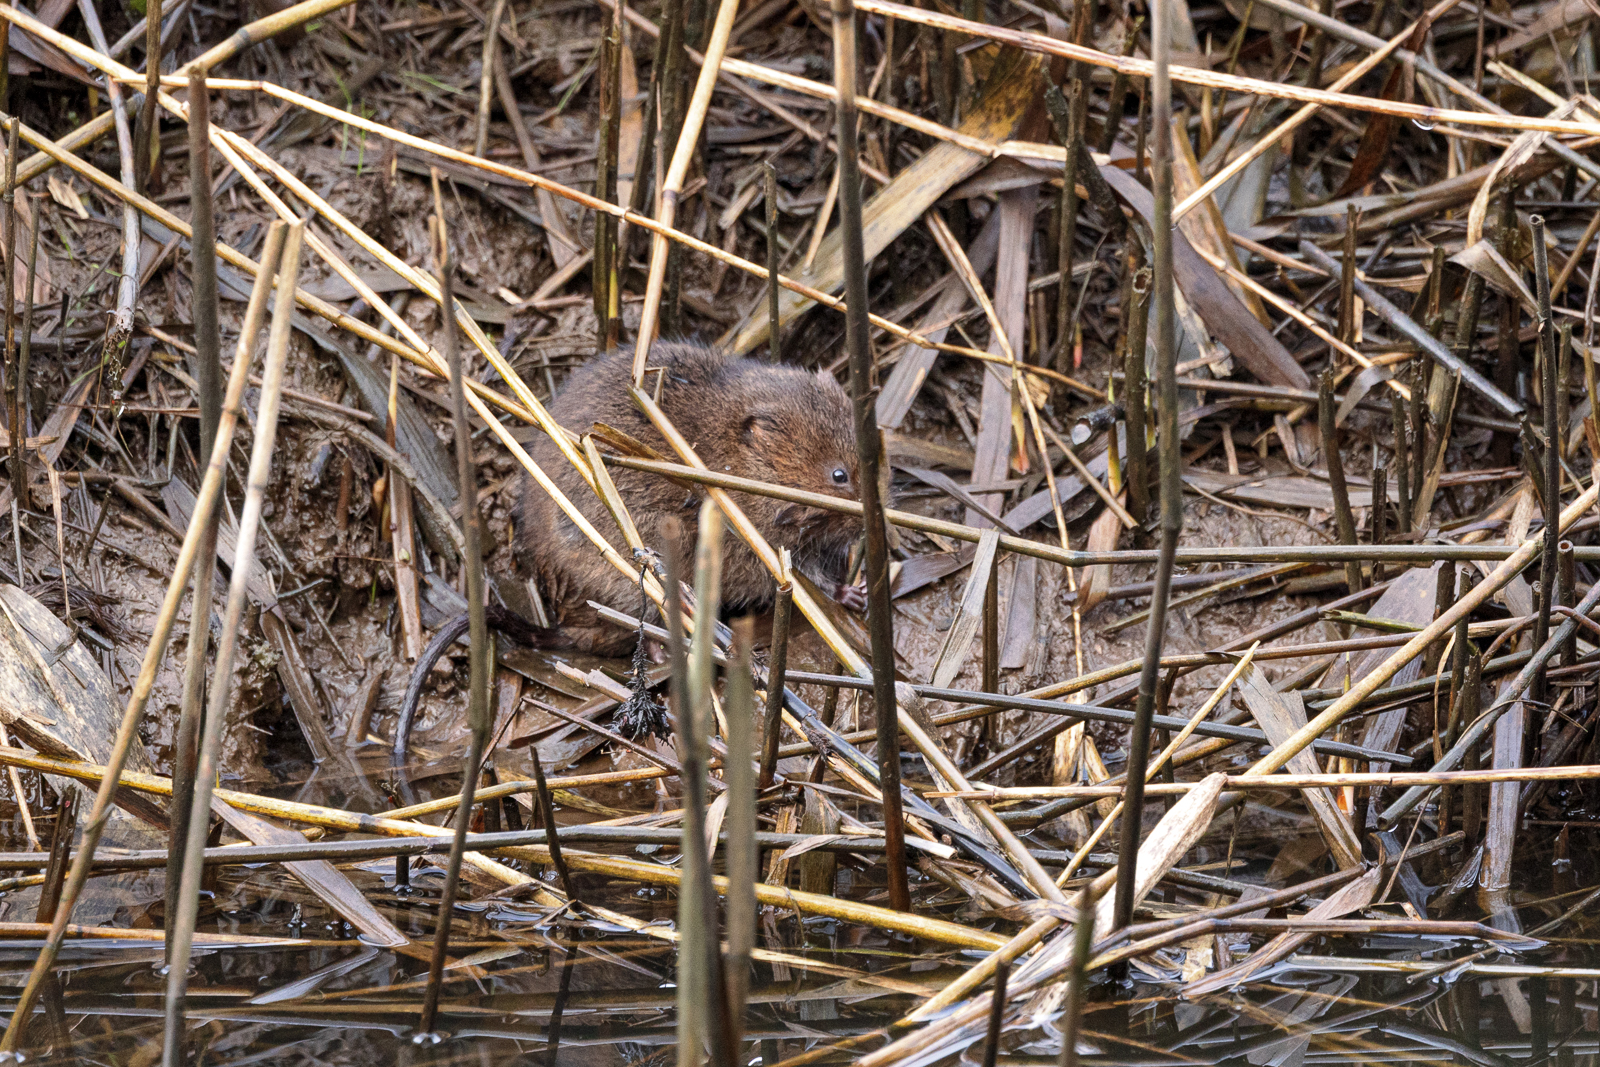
<point x="1425" y="125"/>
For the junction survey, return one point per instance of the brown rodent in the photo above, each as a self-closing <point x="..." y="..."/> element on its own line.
<point x="757" y="420"/>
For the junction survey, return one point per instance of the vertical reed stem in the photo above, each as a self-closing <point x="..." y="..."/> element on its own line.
<point x="869" y="446"/>
<point x="1171" y="462"/>
<point x="148" y="144"/>
<point x="288" y="239"/>
<point x="769" y="175"/>
<point x="743" y="857"/>
<point x="1402" y="462"/>
<point x="1133" y="400"/>
<point x="777" y="666"/>
<point x="477" y="627"/>
<point x="1078" y="977"/>
<point x="547" y="815"/>
<point x="1380" y="514"/>
<point x="207" y="368"/>
<point x="991" y="630"/>
<point x="491" y="45"/>
<point x="1552" y="446"/>
<point x="1067" y="113"/>
<point x="1344" y="519"/>
<point x="605" y="268"/>
<point x="997" y="1012"/>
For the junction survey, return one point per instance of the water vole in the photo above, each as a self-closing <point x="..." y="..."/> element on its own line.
<point x="756" y="420"/>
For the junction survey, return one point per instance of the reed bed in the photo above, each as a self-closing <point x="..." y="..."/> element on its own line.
<point x="1223" y="677"/>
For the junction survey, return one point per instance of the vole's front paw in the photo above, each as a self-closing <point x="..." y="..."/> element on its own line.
<point x="851" y="597"/>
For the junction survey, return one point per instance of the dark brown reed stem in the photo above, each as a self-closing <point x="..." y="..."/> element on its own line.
<point x="1380" y="513"/>
<point x="207" y="368"/>
<point x="743" y="856"/>
<point x="1078" y="976"/>
<point x="147" y="142"/>
<point x="1137" y="477"/>
<point x="210" y="743"/>
<point x="486" y="78"/>
<point x="1402" y="462"/>
<point x="1119" y="90"/>
<point x="991" y="630"/>
<point x="60" y="849"/>
<point x="869" y="446"/>
<point x="1170" y="457"/>
<point x="769" y="174"/>
<point x="1552" y="444"/>
<point x="1343" y="517"/>
<point x="777" y="668"/>
<point x="1566" y="594"/>
<point x="477" y="624"/>
<point x="1067" y="113"/>
<point x="547" y="815"/>
<point x="1141" y="132"/>
<point x="674" y="91"/>
<point x="1419" y="433"/>
<point x="1347" y="274"/>
<point x="605" y="268"/>
<point x="13" y="419"/>
<point x="997" y="1012"/>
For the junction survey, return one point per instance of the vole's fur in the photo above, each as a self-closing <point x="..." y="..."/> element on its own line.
<point x="756" y="420"/>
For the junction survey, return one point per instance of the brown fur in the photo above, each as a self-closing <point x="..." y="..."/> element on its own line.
<point x="756" y="420"/>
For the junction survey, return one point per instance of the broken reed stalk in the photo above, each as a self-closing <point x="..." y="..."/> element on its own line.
<point x="207" y="369"/>
<point x="207" y="763"/>
<point x="700" y="992"/>
<point x="1170" y="460"/>
<point x="477" y="624"/>
<point x="1344" y="518"/>
<point x="743" y="856"/>
<point x="672" y="183"/>
<point x="777" y="668"/>
<point x="606" y="267"/>
<point x="769" y="175"/>
<point x="869" y="452"/>
<point x="1550" y="498"/>
<point x="491" y="42"/>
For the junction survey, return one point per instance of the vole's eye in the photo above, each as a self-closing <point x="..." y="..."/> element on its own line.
<point x="841" y="476"/>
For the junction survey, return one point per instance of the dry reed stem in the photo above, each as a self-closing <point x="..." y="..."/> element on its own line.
<point x="207" y="764"/>
<point x="938" y="930"/>
<point x="1141" y="68"/>
<point x="672" y="183"/>
<point x="1369" y="683"/>
<point x="1279" y="780"/>
<point x="205" y="502"/>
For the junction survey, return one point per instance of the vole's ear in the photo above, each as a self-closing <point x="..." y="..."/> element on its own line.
<point x="759" y="428"/>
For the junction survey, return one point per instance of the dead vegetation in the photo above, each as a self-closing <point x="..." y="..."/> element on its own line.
<point x="1232" y="592"/>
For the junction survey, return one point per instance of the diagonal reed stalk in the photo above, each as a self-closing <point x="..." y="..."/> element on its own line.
<point x="208" y="375"/>
<point x="869" y="452"/>
<point x="1169" y="457"/>
<point x="284" y="245"/>
<point x="477" y="629"/>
